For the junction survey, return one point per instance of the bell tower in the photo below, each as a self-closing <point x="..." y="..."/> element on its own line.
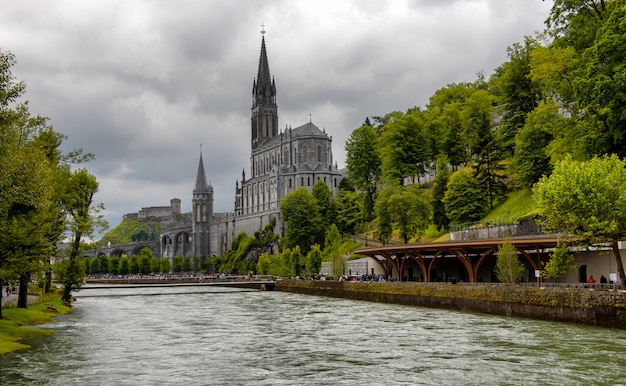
<point x="202" y="212"/>
<point x="264" y="112"/>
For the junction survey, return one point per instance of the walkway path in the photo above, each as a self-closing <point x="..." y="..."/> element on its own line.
<point x="11" y="300"/>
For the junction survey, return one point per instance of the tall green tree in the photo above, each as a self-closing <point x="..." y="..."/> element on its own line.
<point x="407" y="208"/>
<point x="575" y="22"/>
<point x="123" y="268"/>
<point x="464" y="200"/>
<point x="314" y="260"/>
<point x="349" y="208"/>
<point x="83" y="218"/>
<point x="601" y="82"/>
<point x="484" y="143"/>
<point x="440" y="185"/>
<point x="29" y="216"/>
<point x="443" y="115"/>
<point x="532" y="158"/>
<point x="324" y="198"/>
<point x="300" y="212"/>
<point x="406" y="147"/>
<point x="586" y="199"/>
<point x="363" y="164"/>
<point x="515" y="92"/>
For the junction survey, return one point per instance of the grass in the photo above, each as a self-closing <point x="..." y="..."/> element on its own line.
<point x="11" y="326"/>
<point x="517" y="205"/>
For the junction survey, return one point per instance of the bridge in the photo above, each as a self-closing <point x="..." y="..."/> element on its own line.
<point x="129" y="249"/>
<point x="263" y="285"/>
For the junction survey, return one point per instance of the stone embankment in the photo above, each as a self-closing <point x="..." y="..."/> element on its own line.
<point x="603" y="308"/>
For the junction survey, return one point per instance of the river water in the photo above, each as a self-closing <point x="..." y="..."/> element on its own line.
<point x="226" y="336"/>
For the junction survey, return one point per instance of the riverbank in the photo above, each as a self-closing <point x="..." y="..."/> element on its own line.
<point x="42" y="311"/>
<point x="602" y="308"/>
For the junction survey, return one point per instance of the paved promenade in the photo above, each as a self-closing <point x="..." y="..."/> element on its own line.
<point x="11" y="300"/>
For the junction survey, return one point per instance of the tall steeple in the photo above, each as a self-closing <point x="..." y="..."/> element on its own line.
<point x="201" y="185"/>
<point x="202" y="211"/>
<point x="264" y="112"/>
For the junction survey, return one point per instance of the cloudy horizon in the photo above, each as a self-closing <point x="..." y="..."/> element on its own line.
<point x="143" y="84"/>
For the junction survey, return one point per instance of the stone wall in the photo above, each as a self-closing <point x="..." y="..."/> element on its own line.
<point x="583" y="306"/>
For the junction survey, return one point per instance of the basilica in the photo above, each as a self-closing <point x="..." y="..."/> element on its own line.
<point x="280" y="162"/>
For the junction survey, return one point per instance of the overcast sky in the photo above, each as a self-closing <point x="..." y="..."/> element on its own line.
<point x="142" y="84"/>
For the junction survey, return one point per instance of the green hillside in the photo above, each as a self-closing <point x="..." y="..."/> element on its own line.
<point x="517" y="205"/>
<point x="132" y="230"/>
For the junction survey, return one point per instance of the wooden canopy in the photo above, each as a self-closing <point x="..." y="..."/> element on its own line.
<point x="470" y="253"/>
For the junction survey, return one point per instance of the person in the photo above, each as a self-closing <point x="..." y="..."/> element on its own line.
<point x="602" y="279"/>
<point x="591" y="280"/>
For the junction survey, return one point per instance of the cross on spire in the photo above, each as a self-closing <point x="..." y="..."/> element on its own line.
<point x="262" y="28"/>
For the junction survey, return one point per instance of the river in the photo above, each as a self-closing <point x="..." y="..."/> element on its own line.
<point x="226" y="336"/>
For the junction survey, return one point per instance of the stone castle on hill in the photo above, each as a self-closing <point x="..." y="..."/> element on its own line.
<point x="280" y="162"/>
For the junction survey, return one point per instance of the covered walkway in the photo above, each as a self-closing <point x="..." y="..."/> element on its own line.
<point x="398" y="261"/>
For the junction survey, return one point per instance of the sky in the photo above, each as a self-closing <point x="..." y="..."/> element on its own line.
<point x="149" y="85"/>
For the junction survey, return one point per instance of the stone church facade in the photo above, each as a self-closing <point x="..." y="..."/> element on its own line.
<point x="280" y="162"/>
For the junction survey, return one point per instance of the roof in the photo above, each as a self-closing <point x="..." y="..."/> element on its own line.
<point x="468" y="247"/>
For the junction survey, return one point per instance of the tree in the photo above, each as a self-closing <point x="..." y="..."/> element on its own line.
<point x="440" y="185"/>
<point x="385" y="223"/>
<point x="508" y="267"/>
<point x="406" y="208"/>
<point x="155" y="264"/>
<point x="265" y="264"/>
<point x="296" y="261"/>
<point x="133" y="264"/>
<point x="406" y="147"/>
<point x="177" y="266"/>
<point x="363" y="163"/>
<point x="145" y="255"/>
<point x="333" y="250"/>
<point x="114" y="263"/>
<point x="324" y="198"/>
<point x="186" y="264"/>
<point x="123" y="267"/>
<point x="484" y="144"/>
<point x="443" y="115"/>
<point x="28" y="215"/>
<point x="83" y="217"/>
<point x="531" y="160"/>
<point x="464" y="200"/>
<point x="516" y="93"/>
<point x="600" y="83"/>
<point x="164" y="265"/>
<point x="575" y="22"/>
<point x="300" y="212"/>
<point x="561" y="261"/>
<point x="586" y="199"/>
<point x="349" y="208"/>
<point x="103" y="264"/>
<point x="314" y="260"/>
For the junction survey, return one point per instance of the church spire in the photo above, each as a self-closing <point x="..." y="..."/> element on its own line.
<point x="201" y="185"/>
<point x="264" y="79"/>
<point x="264" y="117"/>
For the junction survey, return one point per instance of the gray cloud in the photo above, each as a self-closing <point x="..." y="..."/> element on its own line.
<point x="143" y="84"/>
